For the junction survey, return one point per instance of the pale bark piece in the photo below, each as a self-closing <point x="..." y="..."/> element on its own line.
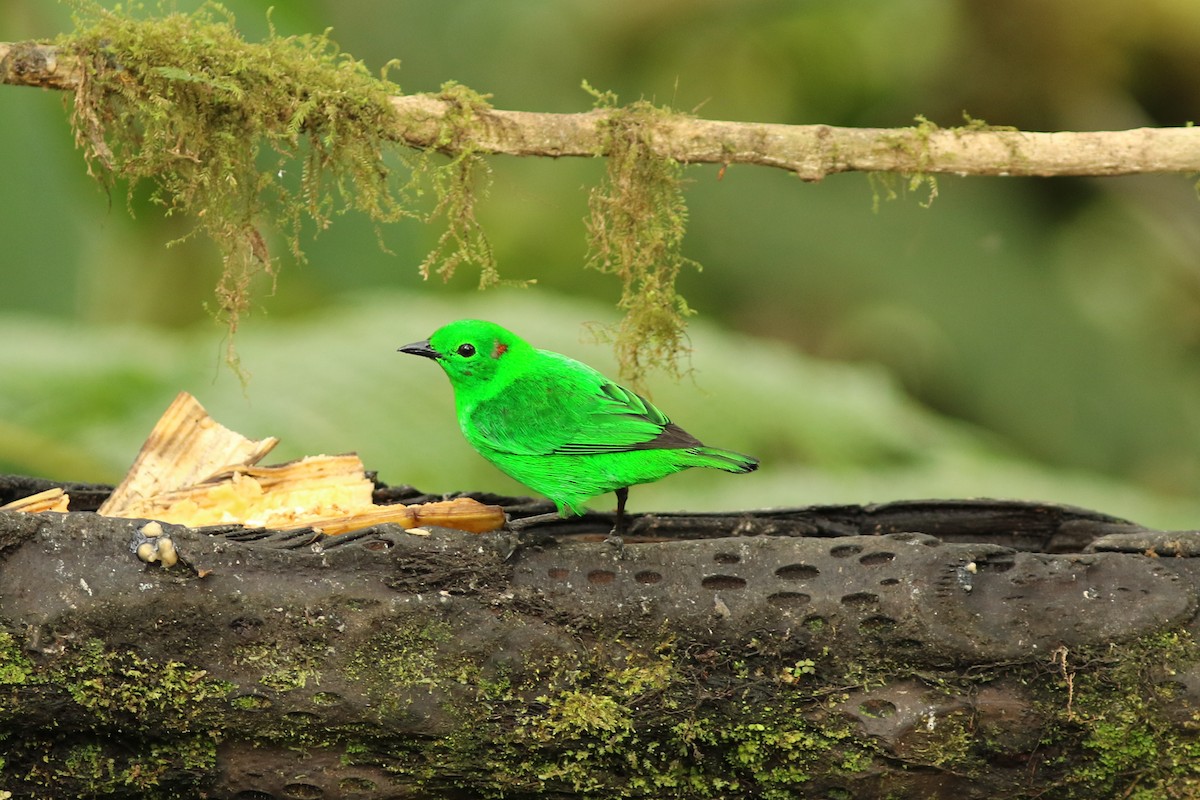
<point x="186" y="447"/>
<point x="194" y="471"/>
<point x="50" y="500"/>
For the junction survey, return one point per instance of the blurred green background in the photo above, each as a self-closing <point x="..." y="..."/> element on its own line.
<point x="1025" y="338"/>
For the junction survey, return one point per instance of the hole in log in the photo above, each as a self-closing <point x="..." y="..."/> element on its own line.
<point x="877" y="625"/>
<point x="877" y="707"/>
<point x="797" y="572"/>
<point x="789" y="599"/>
<point x="378" y="545"/>
<point x="251" y="702"/>
<point x="860" y="599"/>
<point x="723" y="582"/>
<point x="356" y="785"/>
<point x="246" y="626"/>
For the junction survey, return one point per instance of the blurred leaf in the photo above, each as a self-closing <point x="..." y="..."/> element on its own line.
<point x="332" y="383"/>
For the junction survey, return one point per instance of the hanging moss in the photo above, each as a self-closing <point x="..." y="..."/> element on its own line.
<point x="457" y="185"/>
<point x="914" y="142"/>
<point x="636" y="225"/>
<point x="240" y="137"/>
<point x="243" y="138"/>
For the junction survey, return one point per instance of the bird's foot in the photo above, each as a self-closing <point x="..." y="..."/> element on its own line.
<point x="617" y="542"/>
<point x="620" y="524"/>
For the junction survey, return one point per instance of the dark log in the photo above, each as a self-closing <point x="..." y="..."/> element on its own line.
<point x="963" y="649"/>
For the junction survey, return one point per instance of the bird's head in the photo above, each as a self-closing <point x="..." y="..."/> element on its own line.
<point x="472" y="352"/>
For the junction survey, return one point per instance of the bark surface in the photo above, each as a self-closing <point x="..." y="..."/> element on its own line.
<point x="921" y="649"/>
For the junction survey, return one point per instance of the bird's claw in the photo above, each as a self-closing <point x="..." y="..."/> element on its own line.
<point x="617" y="542"/>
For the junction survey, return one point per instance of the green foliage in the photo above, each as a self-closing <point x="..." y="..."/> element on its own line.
<point x="831" y="433"/>
<point x="1059" y="313"/>
<point x="636" y="225"/>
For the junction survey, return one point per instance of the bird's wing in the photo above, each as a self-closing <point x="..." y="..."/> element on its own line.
<point x="623" y="420"/>
<point x="579" y="412"/>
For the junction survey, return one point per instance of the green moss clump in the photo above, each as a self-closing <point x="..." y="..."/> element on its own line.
<point x="407" y="653"/>
<point x="622" y="717"/>
<point x="285" y="134"/>
<point x="121" y="687"/>
<point x="93" y="770"/>
<point x="283" y="666"/>
<point x="636" y="226"/>
<point x="108" y="701"/>
<point x="639" y="718"/>
<point x="914" y="143"/>
<point x="1127" y="713"/>
<point x="15" y="668"/>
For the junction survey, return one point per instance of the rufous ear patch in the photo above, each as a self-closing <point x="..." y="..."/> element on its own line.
<point x="500" y="349"/>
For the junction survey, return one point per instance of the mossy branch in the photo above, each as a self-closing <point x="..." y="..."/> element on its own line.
<point x="1051" y="658"/>
<point x="812" y="152"/>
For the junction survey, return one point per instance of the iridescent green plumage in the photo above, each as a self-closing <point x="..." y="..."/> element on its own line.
<point x="557" y="425"/>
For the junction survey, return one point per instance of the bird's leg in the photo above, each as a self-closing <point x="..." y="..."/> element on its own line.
<point x="619" y="528"/>
<point x="615" y="538"/>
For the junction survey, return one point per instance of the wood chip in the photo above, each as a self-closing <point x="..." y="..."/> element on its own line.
<point x="195" y="472"/>
<point x="50" y="500"/>
<point x="185" y="447"/>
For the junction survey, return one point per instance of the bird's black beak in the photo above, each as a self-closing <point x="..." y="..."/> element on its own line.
<point x="420" y="349"/>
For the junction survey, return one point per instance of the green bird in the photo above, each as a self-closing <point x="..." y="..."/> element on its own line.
<point x="557" y="425"/>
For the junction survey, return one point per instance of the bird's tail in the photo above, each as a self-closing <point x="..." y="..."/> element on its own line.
<point x="723" y="459"/>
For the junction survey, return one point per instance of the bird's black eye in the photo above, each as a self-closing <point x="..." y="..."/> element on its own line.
<point x="466" y="350"/>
